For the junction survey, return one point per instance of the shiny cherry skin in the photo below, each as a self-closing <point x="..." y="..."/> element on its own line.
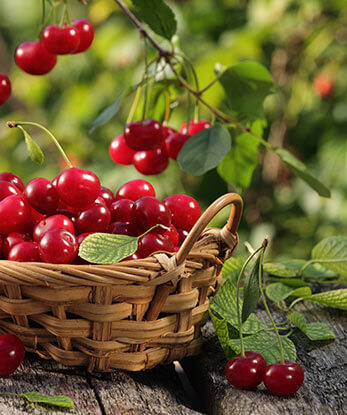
<point x="86" y="34"/>
<point x="151" y="161"/>
<point x="153" y="242"/>
<point x="194" y="127"/>
<point x="120" y="152"/>
<point x="149" y="211"/>
<point x="122" y="228"/>
<point x="7" y="189"/>
<point x="15" y="214"/>
<point x="121" y="210"/>
<point x="185" y="210"/>
<point x="13" y="239"/>
<point x="78" y="188"/>
<point x="135" y="255"/>
<point x="172" y="234"/>
<point x="107" y="195"/>
<point x="34" y="58"/>
<point x="168" y="131"/>
<point x="52" y="222"/>
<point x="5" y="88"/>
<point x="283" y="379"/>
<point x="42" y="195"/>
<point x="246" y="372"/>
<point x="25" y="252"/>
<point x="174" y="143"/>
<point x="60" y="40"/>
<point x="182" y="234"/>
<point x="94" y="219"/>
<point x="146" y="135"/>
<point x="135" y="189"/>
<point x="13" y="179"/>
<point x="12" y="352"/>
<point x="58" y="246"/>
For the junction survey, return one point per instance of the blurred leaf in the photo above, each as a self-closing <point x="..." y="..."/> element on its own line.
<point x="290" y="282"/>
<point x="159" y="17"/>
<point x="251" y="292"/>
<point x="314" y="331"/>
<point x="106" y="115"/>
<point x="334" y="249"/>
<point x="301" y="170"/>
<point x="278" y="292"/>
<point x="291" y="268"/>
<point x="204" y="150"/>
<point x="334" y="298"/>
<point x="34" y="150"/>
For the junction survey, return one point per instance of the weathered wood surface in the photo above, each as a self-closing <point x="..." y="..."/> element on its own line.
<point x="325" y="364"/>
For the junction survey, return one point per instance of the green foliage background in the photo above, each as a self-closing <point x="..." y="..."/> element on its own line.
<point x="297" y="40"/>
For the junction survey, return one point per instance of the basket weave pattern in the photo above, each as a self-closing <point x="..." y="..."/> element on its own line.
<point x="131" y="315"/>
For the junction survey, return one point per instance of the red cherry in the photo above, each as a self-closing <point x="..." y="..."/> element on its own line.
<point x="7" y="189"/>
<point x="34" y="58"/>
<point x="283" y="379"/>
<point x="152" y="161"/>
<point x="146" y="135"/>
<point x="25" y="252"/>
<point x="246" y="372"/>
<point x="323" y="85"/>
<point x="42" y="195"/>
<point x="135" y="255"/>
<point x="13" y="239"/>
<point x="153" y="242"/>
<point x="52" y="222"/>
<point x="15" y="214"/>
<point x="13" y="179"/>
<point x="184" y="209"/>
<point x="60" y="40"/>
<point x="80" y="239"/>
<point x="135" y="189"/>
<point x="58" y="246"/>
<point x="172" y="234"/>
<point x="168" y="131"/>
<point x="122" y="228"/>
<point x="149" y="211"/>
<point x="5" y="88"/>
<point x="107" y="195"/>
<point x="174" y="143"/>
<point x="119" y="151"/>
<point x="12" y="352"/>
<point x="121" y="210"/>
<point x="94" y="219"/>
<point x="78" y="188"/>
<point x="182" y="234"/>
<point x="194" y="127"/>
<point x="86" y="33"/>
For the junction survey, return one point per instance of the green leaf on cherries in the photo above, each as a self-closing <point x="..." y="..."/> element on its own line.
<point x="334" y="298"/>
<point x="279" y="292"/>
<point x="251" y="291"/>
<point x="302" y="171"/>
<point x="106" y="115"/>
<point x="266" y="344"/>
<point x="204" y="150"/>
<point x="333" y="250"/>
<point x="314" y="331"/>
<point x="34" y="150"/>
<point x="57" y="400"/>
<point x="159" y="17"/>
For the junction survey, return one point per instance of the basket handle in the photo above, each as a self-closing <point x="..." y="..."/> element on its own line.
<point x="205" y="218"/>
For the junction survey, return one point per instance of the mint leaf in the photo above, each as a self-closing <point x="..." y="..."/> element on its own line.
<point x="58" y="400"/>
<point x="251" y="292"/>
<point x="159" y="17"/>
<point x="334" y="249"/>
<point x="314" y="331"/>
<point x="266" y="344"/>
<point x="302" y="171"/>
<point x="334" y="298"/>
<point x="279" y="292"/>
<point x="290" y="282"/>
<point x="221" y="326"/>
<point x="34" y="150"/>
<point x="106" y="115"/>
<point x="204" y="150"/>
<point x="232" y="268"/>
<point x="285" y="269"/>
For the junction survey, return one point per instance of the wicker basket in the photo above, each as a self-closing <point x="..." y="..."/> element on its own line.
<point x="131" y="315"/>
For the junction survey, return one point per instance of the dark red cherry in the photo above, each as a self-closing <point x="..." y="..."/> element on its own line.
<point x="94" y="219"/>
<point x="174" y="143"/>
<point x="12" y="352"/>
<point x="80" y="239"/>
<point x="146" y="135"/>
<point x="151" y="161"/>
<point x="34" y="58"/>
<point x="172" y="234"/>
<point x="86" y="34"/>
<point x="60" y="40"/>
<point x="119" y="151"/>
<point x="5" y="88"/>
<point x="135" y="255"/>
<point x="52" y="222"/>
<point x="184" y="209"/>
<point x="7" y="189"/>
<point x="42" y="195"/>
<point x="78" y="188"/>
<point x="168" y="131"/>
<point x="122" y="228"/>
<point x="153" y="242"/>
<point x="121" y="210"/>
<point x="246" y="372"/>
<point x="135" y="189"/>
<point x="13" y="179"/>
<point x="15" y="214"/>
<point x="194" y="127"/>
<point x="13" y="239"/>
<point x="182" y="234"/>
<point x="58" y="246"/>
<point x="107" y="195"/>
<point x="149" y="211"/>
<point x="283" y="379"/>
<point x="25" y="252"/>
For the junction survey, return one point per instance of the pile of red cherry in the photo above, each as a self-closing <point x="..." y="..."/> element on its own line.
<point x="47" y="221"/>
<point x="148" y="145"/>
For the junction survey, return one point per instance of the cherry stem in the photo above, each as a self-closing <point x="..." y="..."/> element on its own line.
<point x="167" y="107"/>
<point x="134" y="105"/>
<point x="13" y="124"/>
<point x="238" y="282"/>
<point x="261" y="288"/>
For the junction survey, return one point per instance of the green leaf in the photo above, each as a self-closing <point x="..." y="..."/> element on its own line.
<point x="314" y="331"/>
<point x="291" y="268"/>
<point x="232" y="268"/>
<point x="251" y="292"/>
<point x="279" y="292"/>
<point x="246" y="86"/>
<point x="224" y="303"/>
<point x="105" y="248"/>
<point x="334" y="298"/>
<point x="159" y="17"/>
<point x="34" y="150"/>
<point x="221" y="327"/>
<point x="266" y="344"/>
<point x="301" y="170"/>
<point x="58" y="400"/>
<point x="334" y="249"/>
<point x="106" y="115"/>
<point x="290" y="282"/>
<point x="204" y="150"/>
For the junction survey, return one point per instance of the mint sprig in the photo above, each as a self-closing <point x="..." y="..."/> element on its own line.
<point x="37" y="397"/>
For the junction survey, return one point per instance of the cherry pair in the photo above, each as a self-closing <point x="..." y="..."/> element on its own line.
<point x="249" y="371"/>
<point x="148" y="145"/>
